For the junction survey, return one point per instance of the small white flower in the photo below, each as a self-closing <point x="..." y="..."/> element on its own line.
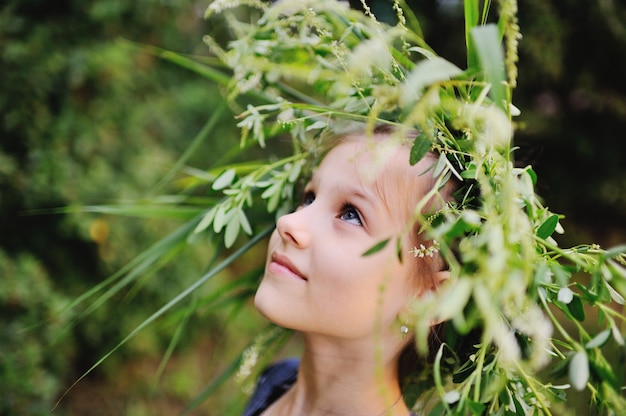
<point x="565" y="295"/>
<point x="424" y="251"/>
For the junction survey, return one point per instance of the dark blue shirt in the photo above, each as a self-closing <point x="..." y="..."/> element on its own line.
<point x="273" y="383"/>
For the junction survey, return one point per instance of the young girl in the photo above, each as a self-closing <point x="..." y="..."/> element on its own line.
<point x="348" y="306"/>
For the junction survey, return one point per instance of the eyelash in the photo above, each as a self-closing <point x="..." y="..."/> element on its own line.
<point x="351" y="208"/>
<point x="309" y="197"/>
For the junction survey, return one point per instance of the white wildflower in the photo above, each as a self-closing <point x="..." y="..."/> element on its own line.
<point x="490" y="126"/>
<point x="369" y="55"/>
<point x="532" y="322"/>
<point x="565" y="295"/>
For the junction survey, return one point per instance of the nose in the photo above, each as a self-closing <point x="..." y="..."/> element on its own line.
<point x="293" y="229"/>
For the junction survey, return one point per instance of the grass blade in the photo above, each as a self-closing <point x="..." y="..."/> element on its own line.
<point x="193" y="146"/>
<point x="221" y="266"/>
<point x="491" y="57"/>
<point x="471" y="20"/>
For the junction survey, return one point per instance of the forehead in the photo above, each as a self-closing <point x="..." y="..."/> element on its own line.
<point x="376" y="159"/>
<point x="380" y="166"/>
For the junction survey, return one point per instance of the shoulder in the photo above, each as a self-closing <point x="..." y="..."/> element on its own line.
<point x="273" y="382"/>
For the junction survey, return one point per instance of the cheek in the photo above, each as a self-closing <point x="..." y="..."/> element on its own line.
<point x="398" y="283"/>
<point x="363" y="281"/>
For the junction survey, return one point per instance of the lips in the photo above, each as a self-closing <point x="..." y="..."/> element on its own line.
<point x="281" y="264"/>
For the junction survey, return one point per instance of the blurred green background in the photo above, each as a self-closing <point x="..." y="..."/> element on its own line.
<point x="87" y="117"/>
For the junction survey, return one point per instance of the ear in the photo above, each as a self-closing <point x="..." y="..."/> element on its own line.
<point x="438" y="278"/>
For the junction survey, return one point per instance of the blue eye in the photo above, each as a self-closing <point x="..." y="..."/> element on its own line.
<point x="350" y="214"/>
<point x="308" y="199"/>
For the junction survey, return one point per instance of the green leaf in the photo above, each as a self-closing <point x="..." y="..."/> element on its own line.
<point x="615" y="251"/>
<point x="224" y="180"/>
<point x="471" y="12"/>
<point x="561" y="275"/>
<point x="318" y="125"/>
<point x="464" y="372"/>
<point x="232" y="231"/>
<point x="440" y="165"/>
<point x="491" y="56"/>
<point x="295" y="171"/>
<point x="222" y="216"/>
<point x="438" y="380"/>
<point x="532" y="174"/>
<point x="519" y="410"/>
<point x="599" y="340"/>
<point x="376" y="248"/>
<point x="424" y="74"/>
<point x="469" y="173"/>
<point x="575" y="307"/>
<point x="617" y="335"/>
<point x="579" y="370"/>
<point x="271" y="190"/>
<point x="476" y="408"/>
<point x="183" y="61"/>
<point x="451" y="307"/>
<point x="272" y="202"/>
<point x="141" y="209"/>
<point x="546" y="229"/>
<point x="619" y="278"/>
<point x="615" y="295"/>
<point x="207" y="219"/>
<point x="243" y="220"/>
<point x="421" y="146"/>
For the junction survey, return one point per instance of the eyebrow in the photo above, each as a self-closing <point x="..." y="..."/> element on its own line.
<point x="359" y="192"/>
<point x="369" y="199"/>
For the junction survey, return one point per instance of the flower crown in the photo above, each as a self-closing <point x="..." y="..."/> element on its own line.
<point x="315" y="68"/>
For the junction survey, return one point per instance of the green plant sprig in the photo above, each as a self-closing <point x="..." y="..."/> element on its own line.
<point x="277" y="180"/>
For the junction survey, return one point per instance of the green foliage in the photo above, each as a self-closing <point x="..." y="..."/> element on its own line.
<point x="28" y="369"/>
<point x="312" y="69"/>
<point x="508" y="271"/>
<point x="88" y="117"/>
<point x="82" y="123"/>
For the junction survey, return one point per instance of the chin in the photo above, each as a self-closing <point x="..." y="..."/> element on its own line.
<point x="258" y="299"/>
<point x="263" y="302"/>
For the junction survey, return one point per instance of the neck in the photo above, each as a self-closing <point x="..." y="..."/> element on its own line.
<point x="344" y="379"/>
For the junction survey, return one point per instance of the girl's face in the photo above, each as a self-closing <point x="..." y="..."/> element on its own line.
<point x="316" y="277"/>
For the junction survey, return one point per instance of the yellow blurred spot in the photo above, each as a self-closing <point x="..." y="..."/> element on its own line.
<point x="99" y="231"/>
